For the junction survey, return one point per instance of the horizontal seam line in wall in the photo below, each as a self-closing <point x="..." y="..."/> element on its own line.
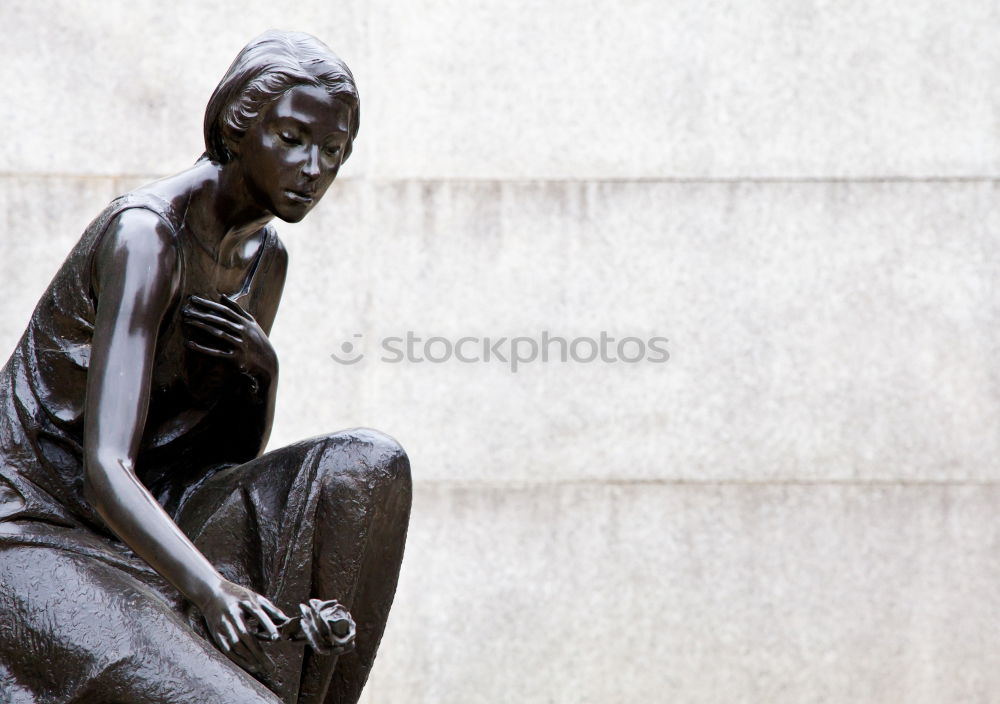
<point x="651" y="180"/>
<point x="705" y="181"/>
<point x="943" y="483"/>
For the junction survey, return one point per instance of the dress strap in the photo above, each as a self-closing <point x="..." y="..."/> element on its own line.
<point x="269" y="235"/>
<point x="149" y="201"/>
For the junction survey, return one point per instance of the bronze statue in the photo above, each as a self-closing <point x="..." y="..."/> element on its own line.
<point x="149" y="553"/>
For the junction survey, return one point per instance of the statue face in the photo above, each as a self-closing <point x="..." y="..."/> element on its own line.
<point x="290" y="156"/>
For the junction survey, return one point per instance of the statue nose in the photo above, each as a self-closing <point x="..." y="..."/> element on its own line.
<point x="310" y="166"/>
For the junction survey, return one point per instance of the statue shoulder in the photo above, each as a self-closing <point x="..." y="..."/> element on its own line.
<point x="138" y="242"/>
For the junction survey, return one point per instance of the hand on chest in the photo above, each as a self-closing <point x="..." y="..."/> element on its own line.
<point x="211" y="334"/>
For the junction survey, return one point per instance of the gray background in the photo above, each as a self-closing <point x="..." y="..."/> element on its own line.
<point x="800" y="506"/>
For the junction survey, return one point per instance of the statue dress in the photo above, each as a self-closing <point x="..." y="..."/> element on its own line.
<point x="82" y="618"/>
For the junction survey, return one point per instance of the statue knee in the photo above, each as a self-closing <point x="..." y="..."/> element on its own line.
<point x="385" y="457"/>
<point x="365" y="458"/>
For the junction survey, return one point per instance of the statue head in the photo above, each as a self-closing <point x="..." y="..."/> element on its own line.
<point x="266" y="68"/>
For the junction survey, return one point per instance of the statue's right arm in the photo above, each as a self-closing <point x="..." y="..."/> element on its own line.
<point x="136" y="279"/>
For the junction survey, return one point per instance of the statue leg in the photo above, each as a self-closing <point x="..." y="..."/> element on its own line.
<point x="324" y="518"/>
<point x="76" y="630"/>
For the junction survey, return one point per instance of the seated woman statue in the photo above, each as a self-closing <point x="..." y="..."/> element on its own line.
<point x="149" y="553"/>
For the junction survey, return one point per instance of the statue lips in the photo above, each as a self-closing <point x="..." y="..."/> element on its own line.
<point x="301" y="196"/>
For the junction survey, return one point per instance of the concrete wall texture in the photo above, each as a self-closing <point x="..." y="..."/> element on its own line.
<point x="801" y="505"/>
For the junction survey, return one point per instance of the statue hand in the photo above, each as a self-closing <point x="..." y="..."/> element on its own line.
<point x="326" y="625"/>
<point x="227" y="613"/>
<point x="237" y="336"/>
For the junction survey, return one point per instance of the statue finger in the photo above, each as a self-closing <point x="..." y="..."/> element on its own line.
<point x="217" y="308"/>
<point x="229" y="636"/>
<point x="249" y="645"/>
<point x="267" y="629"/>
<point x="221" y="334"/>
<point x="211" y="351"/>
<point x="261" y="625"/>
<point x="220" y="640"/>
<point x="236" y="614"/>
<point x="192" y="314"/>
<point x="236" y="308"/>
<point x="242" y="656"/>
<point x="273" y="611"/>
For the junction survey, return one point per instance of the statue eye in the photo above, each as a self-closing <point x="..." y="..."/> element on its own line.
<point x="333" y="150"/>
<point x="288" y="138"/>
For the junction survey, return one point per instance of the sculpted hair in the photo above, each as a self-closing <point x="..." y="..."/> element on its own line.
<point x="268" y="66"/>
